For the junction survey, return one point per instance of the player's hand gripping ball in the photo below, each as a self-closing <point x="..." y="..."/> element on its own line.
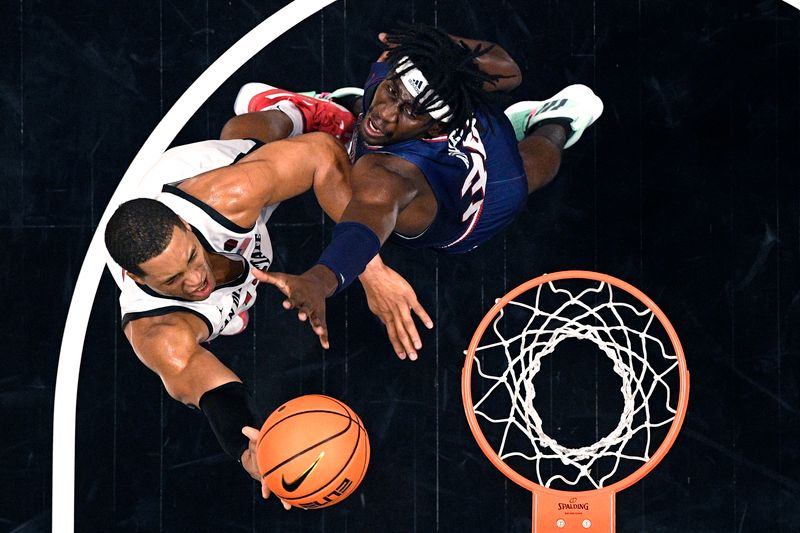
<point x="313" y="451"/>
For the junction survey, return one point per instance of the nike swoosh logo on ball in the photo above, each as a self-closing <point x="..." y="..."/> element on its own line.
<point x="293" y="486"/>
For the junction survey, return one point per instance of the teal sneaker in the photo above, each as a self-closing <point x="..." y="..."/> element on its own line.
<point x="576" y="106"/>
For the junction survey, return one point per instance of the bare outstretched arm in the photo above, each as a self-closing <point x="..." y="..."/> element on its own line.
<point x="392" y="299"/>
<point x="276" y="172"/>
<point x="494" y="62"/>
<point x="497" y="62"/>
<point x="169" y="345"/>
<point x="380" y="192"/>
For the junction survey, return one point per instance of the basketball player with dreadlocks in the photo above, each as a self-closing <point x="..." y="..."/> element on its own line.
<point x="435" y="165"/>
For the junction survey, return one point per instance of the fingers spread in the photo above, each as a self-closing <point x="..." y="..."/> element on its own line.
<point x="277" y="279"/>
<point x="323" y="339"/>
<point x="404" y="338"/>
<point x="259" y="274"/>
<point x="423" y="315"/>
<point x="320" y="326"/>
<point x="396" y="344"/>
<point x="411" y="330"/>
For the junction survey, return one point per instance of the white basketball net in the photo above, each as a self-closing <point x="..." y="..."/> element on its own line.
<point x="623" y="333"/>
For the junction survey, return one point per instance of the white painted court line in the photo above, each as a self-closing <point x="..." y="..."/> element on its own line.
<point x="69" y="360"/>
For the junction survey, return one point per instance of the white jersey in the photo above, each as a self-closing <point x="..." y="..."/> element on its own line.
<point x="216" y="233"/>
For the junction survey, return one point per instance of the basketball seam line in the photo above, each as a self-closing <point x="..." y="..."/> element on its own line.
<point x="298" y="454"/>
<point x="344" y="466"/>
<point x="261" y="437"/>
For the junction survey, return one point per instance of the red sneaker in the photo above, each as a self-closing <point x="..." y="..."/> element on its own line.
<point x="319" y="113"/>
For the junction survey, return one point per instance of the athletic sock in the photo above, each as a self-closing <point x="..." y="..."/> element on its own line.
<point x="290" y="110"/>
<point x="565" y="123"/>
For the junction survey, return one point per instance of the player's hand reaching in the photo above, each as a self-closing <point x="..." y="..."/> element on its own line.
<point x="250" y="464"/>
<point x="306" y="293"/>
<point x="392" y="300"/>
<point x="383" y="38"/>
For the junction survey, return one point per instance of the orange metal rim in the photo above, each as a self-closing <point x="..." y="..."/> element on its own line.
<point x="466" y="380"/>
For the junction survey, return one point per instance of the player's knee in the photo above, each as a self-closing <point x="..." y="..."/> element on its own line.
<point x="231" y="129"/>
<point x="265" y="126"/>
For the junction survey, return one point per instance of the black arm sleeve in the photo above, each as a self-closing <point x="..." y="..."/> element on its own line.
<point x="229" y="408"/>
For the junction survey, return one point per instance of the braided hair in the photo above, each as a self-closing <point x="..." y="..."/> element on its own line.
<point x="454" y="79"/>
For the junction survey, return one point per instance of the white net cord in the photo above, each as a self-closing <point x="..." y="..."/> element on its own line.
<point x="623" y="332"/>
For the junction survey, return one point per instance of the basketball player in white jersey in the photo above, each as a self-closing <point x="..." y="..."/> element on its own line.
<point x="186" y="258"/>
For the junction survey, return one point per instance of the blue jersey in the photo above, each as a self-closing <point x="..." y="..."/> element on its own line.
<point x="475" y="173"/>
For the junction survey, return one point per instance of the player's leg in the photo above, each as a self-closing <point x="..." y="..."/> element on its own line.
<point x="545" y="128"/>
<point x="268" y="114"/>
<point x="266" y="126"/>
<point x="541" y="154"/>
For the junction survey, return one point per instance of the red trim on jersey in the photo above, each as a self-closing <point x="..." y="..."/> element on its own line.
<point x="244" y="245"/>
<point x="438" y="139"/>
<point x="471" y="227"/>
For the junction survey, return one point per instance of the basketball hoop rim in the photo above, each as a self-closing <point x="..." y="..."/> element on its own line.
<point x="466" y="379"/>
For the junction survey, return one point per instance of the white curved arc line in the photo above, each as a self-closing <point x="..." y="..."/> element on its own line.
<point x="66" y="389"/>
<point x="794" y="3"/>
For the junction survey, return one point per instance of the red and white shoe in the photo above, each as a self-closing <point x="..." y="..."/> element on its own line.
<point x="319" y="112"/>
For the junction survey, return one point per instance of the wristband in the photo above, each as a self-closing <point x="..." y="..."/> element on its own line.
<point x="352" y="246"/>
<point x="229" y="408"/>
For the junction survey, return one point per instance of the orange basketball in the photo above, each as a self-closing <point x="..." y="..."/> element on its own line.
<point x="313" y="451"/>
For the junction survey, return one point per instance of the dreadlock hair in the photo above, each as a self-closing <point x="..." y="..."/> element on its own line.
<point x="450" y="68"/>
<point x="139" y="230"/>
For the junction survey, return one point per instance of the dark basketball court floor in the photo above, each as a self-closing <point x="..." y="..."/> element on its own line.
<point x="687" y="187"/>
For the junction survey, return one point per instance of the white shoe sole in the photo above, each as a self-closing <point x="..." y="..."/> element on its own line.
<point x="246" y="93"/>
